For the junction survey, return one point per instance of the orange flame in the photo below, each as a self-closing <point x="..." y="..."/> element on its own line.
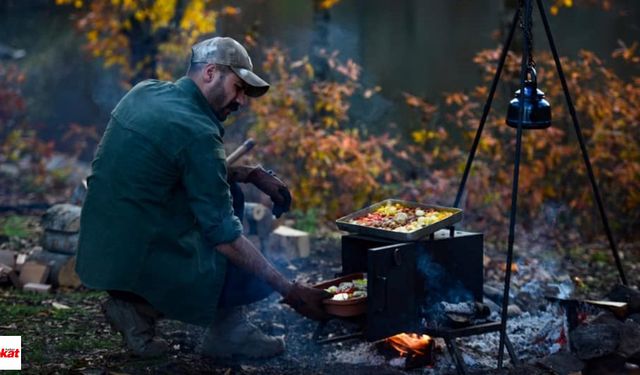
<point x="410" y="343"/>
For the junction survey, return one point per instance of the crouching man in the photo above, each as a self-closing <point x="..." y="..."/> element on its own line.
<point x="158" y="229"/>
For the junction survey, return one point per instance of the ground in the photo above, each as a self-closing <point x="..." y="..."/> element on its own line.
<point x="65" y="332"/>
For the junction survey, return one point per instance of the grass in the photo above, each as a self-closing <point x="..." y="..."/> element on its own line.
<point x="52" y="336"/>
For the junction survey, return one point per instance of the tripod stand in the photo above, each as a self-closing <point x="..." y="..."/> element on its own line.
<point x="528" y="9"/>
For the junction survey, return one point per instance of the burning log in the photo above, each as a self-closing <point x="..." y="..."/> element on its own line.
<point x="415" y="348"/>
<point x="464" y="313"/>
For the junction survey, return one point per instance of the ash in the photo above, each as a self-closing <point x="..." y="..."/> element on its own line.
<point x="536" y="329"/>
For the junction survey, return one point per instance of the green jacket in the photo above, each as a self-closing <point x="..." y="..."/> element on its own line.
<point x="158" y="202"/>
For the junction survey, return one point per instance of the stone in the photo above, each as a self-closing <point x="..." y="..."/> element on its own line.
<point x="513" y="310"/>
<point x="562" y="363"/>
<point x="629" y="339"/>
<point x="595" y="340"/>
<point x="493" y="293"/>
<point x="613" y="364"/>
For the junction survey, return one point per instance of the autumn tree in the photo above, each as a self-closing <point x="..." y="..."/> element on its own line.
<point x="303" y="127"/>
<point x="145" y="38"/>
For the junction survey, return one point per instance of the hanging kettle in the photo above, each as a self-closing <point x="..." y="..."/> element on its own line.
<point x="537" y="110"/>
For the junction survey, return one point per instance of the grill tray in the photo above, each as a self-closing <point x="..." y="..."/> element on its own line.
<point x="345" y="224"/>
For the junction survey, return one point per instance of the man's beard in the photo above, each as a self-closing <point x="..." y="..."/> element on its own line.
<point x="216" y="98"/>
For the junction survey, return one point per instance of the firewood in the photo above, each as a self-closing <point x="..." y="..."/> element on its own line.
<point x="8" y="274"/>
<point x="289" y="243"/>
<point x="33" y="272"/>
<point x="8" y="258"/>
<point x="20" y="260"/>
<point x="62" y="268"/>
<point x="36" y="287"/>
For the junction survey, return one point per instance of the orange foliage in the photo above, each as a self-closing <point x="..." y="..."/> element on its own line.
<point x="302" y="127"/>
<point x="145" y="38"/>
<point x="556" y="5"/>
<point x="552" y="176"/>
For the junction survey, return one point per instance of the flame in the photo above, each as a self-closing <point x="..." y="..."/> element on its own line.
<point x="514" y="267"/>
<point x="406" y="343"/>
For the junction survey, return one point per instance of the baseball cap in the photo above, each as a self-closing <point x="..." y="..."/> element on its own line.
<point x="227" y="51"/>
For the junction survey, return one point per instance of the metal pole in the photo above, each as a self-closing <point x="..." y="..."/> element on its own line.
<point x="514" y="190"/>
<point x="583" y="148"/>
<point x="487" y="107"/>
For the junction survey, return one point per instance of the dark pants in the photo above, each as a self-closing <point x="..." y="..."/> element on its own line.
<point x="240" y="287"/>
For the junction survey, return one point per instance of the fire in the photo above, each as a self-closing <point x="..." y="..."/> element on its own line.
<point x="410" y="343"/>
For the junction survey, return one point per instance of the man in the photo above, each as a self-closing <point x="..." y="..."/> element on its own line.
<point x="158" y="229"/>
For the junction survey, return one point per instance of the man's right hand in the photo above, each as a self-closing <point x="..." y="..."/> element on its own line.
<point x="307" y="301"/>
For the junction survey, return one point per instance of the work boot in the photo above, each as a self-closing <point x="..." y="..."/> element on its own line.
<point x="137" y="329"/>
<point x="232" y="334"/>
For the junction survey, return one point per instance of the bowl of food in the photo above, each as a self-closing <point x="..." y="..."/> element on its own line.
<point x="349" y="295"/>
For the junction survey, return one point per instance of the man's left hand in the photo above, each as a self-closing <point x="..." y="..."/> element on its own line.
<point x="271" y="185"/>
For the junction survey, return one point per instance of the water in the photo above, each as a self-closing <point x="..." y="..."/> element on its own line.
<point x="424" y="47"/>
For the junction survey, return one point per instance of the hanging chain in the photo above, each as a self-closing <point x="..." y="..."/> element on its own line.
<point x="527" y="26"/>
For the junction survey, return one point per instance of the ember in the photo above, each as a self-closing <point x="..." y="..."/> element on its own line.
<point x="411" y="344"/>
<point x="416" y="349"/>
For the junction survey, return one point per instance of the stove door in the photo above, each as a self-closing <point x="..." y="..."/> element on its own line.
<point x="391" y="288"/>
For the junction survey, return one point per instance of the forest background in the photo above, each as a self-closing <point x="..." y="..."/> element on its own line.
<point x="368" y="101"/>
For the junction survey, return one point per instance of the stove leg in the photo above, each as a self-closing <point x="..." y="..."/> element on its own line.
<point x="512" y="353"/>
<point x="455" y="355"/>
<point x="320" y="329"/>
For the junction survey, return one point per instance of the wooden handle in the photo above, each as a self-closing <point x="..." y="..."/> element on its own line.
<point x="239" y="152"/>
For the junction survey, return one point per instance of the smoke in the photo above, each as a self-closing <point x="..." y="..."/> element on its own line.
<point x="439" y="286"/>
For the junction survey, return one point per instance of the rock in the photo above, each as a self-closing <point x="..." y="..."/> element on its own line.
<point x="494" y="307"/>
<point x="629" y="339"/>
<point x="595" y="340"/>
<point x="493" y="294"/>
<point x="61" y="225"/>
<point x="635" y="318"/>
<point x="513" y="310"/>
<point x="621" y="293"/>
<point x="607" y="317"/>
<point x="613" y="364"/>
<point x="562" y="363"/>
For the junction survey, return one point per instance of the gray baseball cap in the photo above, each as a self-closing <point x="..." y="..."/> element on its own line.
<point x="226" y="51"/>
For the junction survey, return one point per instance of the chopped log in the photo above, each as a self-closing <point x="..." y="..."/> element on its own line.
<point x="8" y="274"/>
<point x="62" y="268"/>
<point x="618" y="308"/>
<point x="36" y="287"/>
<point x="626" y="294"/>
<point x="289" y="243"/>
<point x="8" y="258"/>
<point x="34" y="272"/>
<point x="20" y="260"/>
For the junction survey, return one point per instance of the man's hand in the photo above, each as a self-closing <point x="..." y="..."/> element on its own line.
<point x="271" y="185"/>
<point x="307" y="301"/>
